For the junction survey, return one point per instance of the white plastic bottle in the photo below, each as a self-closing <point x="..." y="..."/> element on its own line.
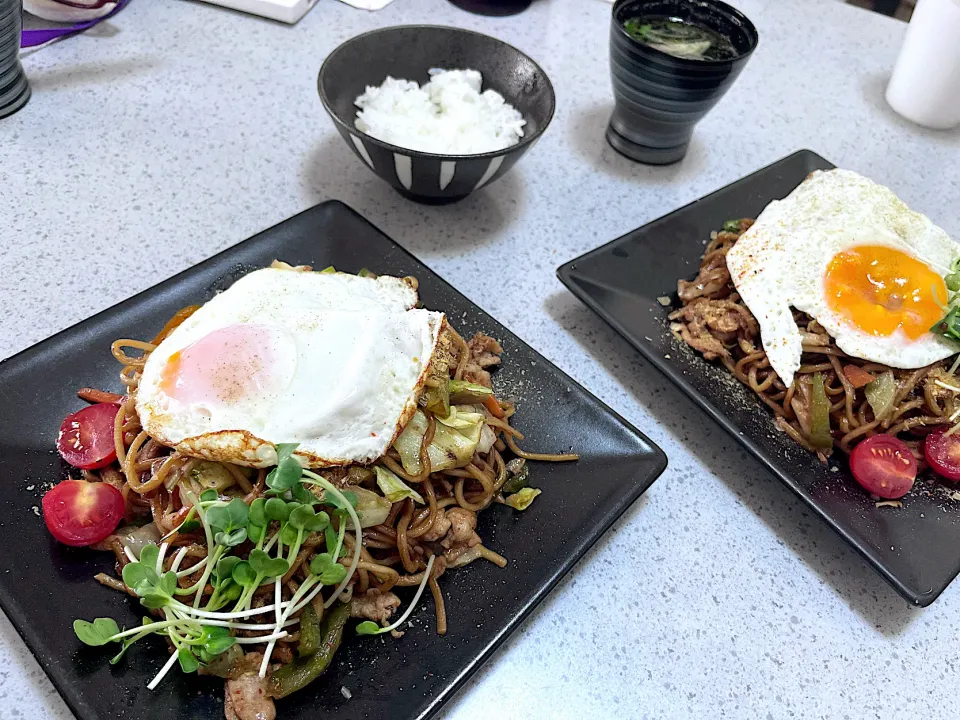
<point x="925" y="87"/>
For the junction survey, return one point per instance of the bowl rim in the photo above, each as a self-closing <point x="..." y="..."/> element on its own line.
<point x="689" y="62"/>
<point x="525" y="141"/>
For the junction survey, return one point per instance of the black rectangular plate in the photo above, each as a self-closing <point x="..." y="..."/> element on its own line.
<point x="44" y="586"/>
<point x="916" y="547"/>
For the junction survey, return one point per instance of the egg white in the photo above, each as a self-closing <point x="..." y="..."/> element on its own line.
<point x="350" y="358"/>
<point x="780" y="262"/>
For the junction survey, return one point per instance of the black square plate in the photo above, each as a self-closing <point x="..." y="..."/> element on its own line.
<point x="44" y="586"/>
<point x="916" y="547"/>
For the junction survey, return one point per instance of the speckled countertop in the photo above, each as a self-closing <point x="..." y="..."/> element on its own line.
<point x="178" y="129"/>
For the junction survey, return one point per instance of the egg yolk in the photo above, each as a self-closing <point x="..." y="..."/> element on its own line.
<point x="229" y="364"/>
<point x="879" y="290"/>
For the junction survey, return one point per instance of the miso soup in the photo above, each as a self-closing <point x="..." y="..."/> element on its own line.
<point x="680" y="38"/>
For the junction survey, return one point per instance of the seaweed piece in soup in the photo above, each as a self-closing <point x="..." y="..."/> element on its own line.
<point x="680" y="38"/>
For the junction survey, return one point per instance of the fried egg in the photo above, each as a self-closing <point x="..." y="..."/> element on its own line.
<point x="848" y="252"/>
<point x="332" y="361"/>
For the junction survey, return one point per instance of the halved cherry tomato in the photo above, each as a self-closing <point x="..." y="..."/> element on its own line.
<point x="81" y="513"/>
<point x="86" y="437"/>
<point x="884" y="466"/>
<point x="943" y="453"/>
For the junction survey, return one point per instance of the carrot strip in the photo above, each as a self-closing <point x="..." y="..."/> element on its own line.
<point x="491" y="403"/>
<point x="857" y="376"/>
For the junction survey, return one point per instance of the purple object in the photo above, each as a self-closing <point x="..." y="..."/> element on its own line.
<point x="32" y="38"/>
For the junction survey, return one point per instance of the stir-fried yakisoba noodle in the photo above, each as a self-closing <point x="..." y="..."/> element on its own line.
<point x="859" y="398"/>
<point x="252" y="573"/>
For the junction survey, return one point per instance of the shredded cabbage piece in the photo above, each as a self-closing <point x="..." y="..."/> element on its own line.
<point x="455" y="439"/>
<point x="880" y="394"/>
<point x="522" y="499"/>
<point x="394" y="489"/>
<point x="372" y="508"/>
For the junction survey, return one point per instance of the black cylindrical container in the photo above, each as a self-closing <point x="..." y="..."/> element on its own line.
<point x="14" y="89"/>
<point x="659" y="97"/>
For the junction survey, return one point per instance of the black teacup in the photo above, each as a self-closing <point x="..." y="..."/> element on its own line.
<point x="14" y="89"/>
<point x="660" y="96"/>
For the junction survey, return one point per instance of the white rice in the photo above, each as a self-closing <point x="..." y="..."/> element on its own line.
<point x="448" y="116"/>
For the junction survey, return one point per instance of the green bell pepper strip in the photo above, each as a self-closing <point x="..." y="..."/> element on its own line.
<point x="301" y="672"/>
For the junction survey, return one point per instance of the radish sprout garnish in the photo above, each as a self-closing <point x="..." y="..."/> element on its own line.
<point x="277" y="527"/>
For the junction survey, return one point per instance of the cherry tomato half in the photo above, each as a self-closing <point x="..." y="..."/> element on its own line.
<point x="81" y="513"/>
<point x="943" y="453"/>
<point x="884" y="466"/>
<point x="86" y="437"/>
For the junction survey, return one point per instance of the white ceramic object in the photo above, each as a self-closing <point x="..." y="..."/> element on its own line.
<point x="288" y="11"/>
<point x="925" y="87"/>
<point x="56" y="12"/>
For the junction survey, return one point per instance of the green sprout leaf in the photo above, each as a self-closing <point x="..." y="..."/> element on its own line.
<point x="301" y="493"/>
<point x="243" y="574"/>
<point x="168" y="582"/>
<point x="154" y="599"/>
<point x="189" y="525"/>
<point x="188" y="661"/>
<point x="96" y="633"/>
<point x="225" y="566"/>
<point x="209" y="495"/>
<point x="232" y="592"/>
<point x="256" y="532"/>
<point x="218" y="518"/>
<point x="149" y="555"/>
<point x="949" y="326"/>
<point x="221" y="644"/>
<point x="368" y="627"/>
<point x="126" y="643"/>
<point x="214" y="640"/>
<point x="139" y="576"/>
<point x="232" y="538"/>
<point x="277" y="509"/>
<point x="304" y="518"/>
<point x="327" y="569"/>
<point x="330" y="537"/>
<point x="288" y="471"/>
<point x="213" y="631"/>
<point x="238" y="512"/>
<point x="266" y="566"/>
<point x="289" y="534"/>
<point x="130" y="640"/>
<point x="229" y="522"/>
<point x="256" y="515"/>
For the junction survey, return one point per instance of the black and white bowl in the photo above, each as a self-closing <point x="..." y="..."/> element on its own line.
<point x="409" y="52"/>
